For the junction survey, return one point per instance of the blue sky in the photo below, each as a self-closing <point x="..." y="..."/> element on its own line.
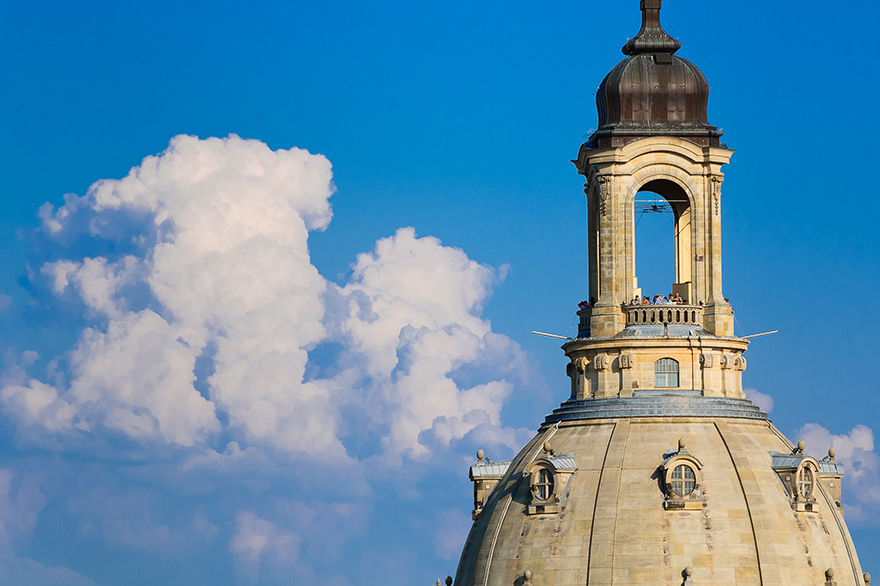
<point x="378" y="320"/>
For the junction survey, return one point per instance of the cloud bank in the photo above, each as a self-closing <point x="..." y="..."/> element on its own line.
<point x="207" y="345"/>
<point x="204" y="306"/>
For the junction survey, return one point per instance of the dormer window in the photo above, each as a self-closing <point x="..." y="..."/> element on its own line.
<point x="544" y="485"/>
<point x="666" y="373"/>
<point x="805" y="482"/>
<point x="548" y="480"/>
<point x="799" y="474"/>
<point x="681" y="480"/>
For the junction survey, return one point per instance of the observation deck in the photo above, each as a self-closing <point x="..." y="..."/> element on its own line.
<point x="649" y="315"/>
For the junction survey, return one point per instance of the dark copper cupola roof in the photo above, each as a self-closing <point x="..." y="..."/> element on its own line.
<point x="653" y="92"/>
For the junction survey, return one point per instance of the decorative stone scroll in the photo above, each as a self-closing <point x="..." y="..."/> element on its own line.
<point x="726" y="361"/>
<point x="576" y="371"/>
<point x="626" y="361"/>
<point x="739" y="363"/>
<point x="707" y="360"/>
<point x="577" y="367"/>
<point x="601" y="362"/>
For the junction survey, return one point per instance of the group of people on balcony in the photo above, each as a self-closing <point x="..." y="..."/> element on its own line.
<point x="586" y="304"/>
<point x="673" y="299"/>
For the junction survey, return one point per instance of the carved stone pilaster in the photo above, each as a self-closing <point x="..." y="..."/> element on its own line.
<point x="715" y="181"/>
<point x="606" y="383"/>
<point x="627" y="374"/>
<point x="576" y="370"/>
<point x="604" y="183"/>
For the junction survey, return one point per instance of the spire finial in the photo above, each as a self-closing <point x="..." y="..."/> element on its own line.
<point x="651" y="38"/>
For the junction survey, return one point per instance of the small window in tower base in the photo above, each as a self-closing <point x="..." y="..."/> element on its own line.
<point x="666" y="373"/>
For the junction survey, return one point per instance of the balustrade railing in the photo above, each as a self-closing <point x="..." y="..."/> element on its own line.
<point x="670" y="314"/>
<point x="663" y="314"/>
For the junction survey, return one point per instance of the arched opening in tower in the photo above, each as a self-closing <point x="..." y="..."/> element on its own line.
<point x="662" y="209"/>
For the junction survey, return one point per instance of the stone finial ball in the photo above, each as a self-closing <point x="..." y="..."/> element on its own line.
<point x="802" y="445"/>
<point x="688" y="571"/>
<point x="867" y="577"/>
<point x="527" y="575"/>
<point x="480" y="455"/>
<point x="448" y="580"/>
<point x="547" y="447"/>
<point x="681" y="443"/>
<point x="832" y="453"/>
<point x="829" y="573"/>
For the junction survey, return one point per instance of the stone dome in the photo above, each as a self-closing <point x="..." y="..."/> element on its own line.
<point x="615" y="525"/>
<point x="653" y="91"/>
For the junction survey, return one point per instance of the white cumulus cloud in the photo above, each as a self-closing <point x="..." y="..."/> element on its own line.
<point x="412" y="322"/>
<point x="217" y="231"/>
<point x="202" y="307"/>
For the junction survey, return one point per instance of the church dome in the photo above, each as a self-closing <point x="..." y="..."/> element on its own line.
<point x="620" y="520"/>
<point x="653" y="92"/>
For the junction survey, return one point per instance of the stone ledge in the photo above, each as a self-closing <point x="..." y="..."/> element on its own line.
<point x="657" y="404"/>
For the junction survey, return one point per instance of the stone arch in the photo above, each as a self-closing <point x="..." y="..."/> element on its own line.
<point x="667" y="145"/>
<point x="675" y="186"/>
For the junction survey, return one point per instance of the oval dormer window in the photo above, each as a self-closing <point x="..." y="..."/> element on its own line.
<point x="805" y="482"/>
<point x="544" y="485"/>
<point x="684" y="480"/>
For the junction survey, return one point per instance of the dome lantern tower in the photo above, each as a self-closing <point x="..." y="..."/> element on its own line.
<point x="660" y="471"/>
<point x="653" y="136"/>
